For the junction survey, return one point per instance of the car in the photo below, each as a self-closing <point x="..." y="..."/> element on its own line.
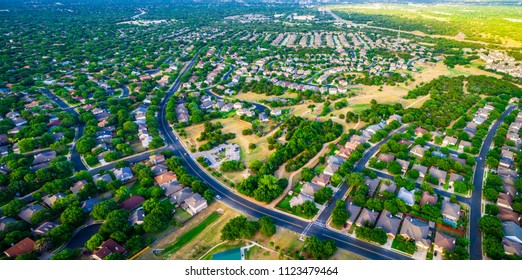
<point x="218" y="197"/>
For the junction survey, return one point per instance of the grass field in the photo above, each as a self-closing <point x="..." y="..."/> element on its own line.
<point x="190" y="235"/>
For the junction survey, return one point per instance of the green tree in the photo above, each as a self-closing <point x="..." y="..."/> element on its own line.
<point x="319" y="250"/>
<point x="339" y="214"/>
<point x="266" y="226"/>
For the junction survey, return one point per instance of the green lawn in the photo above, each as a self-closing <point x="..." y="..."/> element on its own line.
<point x="285" y="203"/>
<point x="298" y="188"/>
<point x="189" y="235"/>
<point x="359" y="107"/>
<point x="401" y="244"/>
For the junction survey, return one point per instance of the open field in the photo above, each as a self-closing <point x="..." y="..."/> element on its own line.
<point x="234" y="125"/>
<point x="489" y="24"/>
<point x="254" y="97"/>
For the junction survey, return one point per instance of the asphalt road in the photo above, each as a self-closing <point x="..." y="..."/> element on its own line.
<point x="476" y="197"/>
<point x="253" y="209"/>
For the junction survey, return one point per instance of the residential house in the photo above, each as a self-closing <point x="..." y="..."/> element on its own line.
<point x="354" y="211"/>
<point x="132" y="202"/>
<point x="404" y="164"/>
<point x="505" y="200"/>
<point x="44" y="228"/>
<point x="322" y="179"/>
<point x="27" y="212"/>
<point x="25" y="246"/>
<point x="413" y="229"/>
<point x="418" y="150"/>
<point x="450" y="212"/>
<point x="78" y="186"/>
<point x="454" y="177"/>
<point x="89" y="204"/>
<point x="367" y="216"/>
<point x="137" y="217"/>
<point x="180" y="196"/>
<point x="464" y="144"/>
<point x="419" y="131"/>
<point x="105" y="177"/>
<point x="108" y="247"/>
<point x="407" y="196"/>
<point x="123" y="174"/>
<point x="449" y="141"/>
<point x="43" y="157"/>
<point x="439" y="174"/>
<point x="299" y="199"/>
<point x="422" y="169"/>
<point x="157" y="159"/>
<point x="5" y="221"/>
<point x="51" y="199"/>
<point x="512" y="247"/>
<point x="506" y="215"/>
<point x="171" y="187"/>
<point x="330" y="169"/>
<point x="372" y="184"/>
<point x="443" y="242"/>
<point x="309" y="189"/>
<point x="159" y="169"/>
<point x="335" y="160"/>
<point x="512" y="231"/>
<point x="388" y="186"/>
<point x="389" y="223"/>
<point x="276" y="112"/>
<point x="165" y="178"/>
<point x="385" y="157"/>
<point x="195" y="204"/>
<point x="428" y="198"/>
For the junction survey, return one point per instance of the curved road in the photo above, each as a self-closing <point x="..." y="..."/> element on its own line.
<point x="248" y="207"/>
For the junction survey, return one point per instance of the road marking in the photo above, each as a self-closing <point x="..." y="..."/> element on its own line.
<point x="362" y="248"/>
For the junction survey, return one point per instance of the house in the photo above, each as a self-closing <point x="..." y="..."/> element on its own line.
<point x="43" y="157"/>
<point x="108" y="247"/>
<point x="512" y="247"/>
<point x="4" y="223"/>
<point x="195" y="203"/>
<point x="352" y="145"/>
<point x="417" y="150"/>
<point x="388" y="223"/>
<point x="428" y="198"/>
<point x="25" y="246"/>
<point x="505" y="200"/>
<point x="50" y="199"/>
<point x="330" y="169"/>
<point x="449" y="141"/>
<point x="443" y="242"/>
<point x="137" y="217"/>
<point x="464" y="144"/>
<point x="171" y="187"/>
<point x="422" y="169"/>
<point x="439" y="174"/>
<point x="132" y="202"/>
<point x="157" y="159"/>
<point x="506" y="215"/>
<point x="372" y="184"/>
<point x="404" y="164"/>
<point x="299" y="199"/>
<point x="388" y="186"/>
<point x="123" y="174"/>
<point x="512" y="231"/>
<point x="454" y="177"/>
<point x="450" y="212"/>
<point x="394" y="118"/>
<point x="78" y="186"/>
<point x="165" y="178"/>
<point x="344" y="153"/>
<point x="263" y="117"/>
<point x="180" y="196"/>
<point x="322" y="179"/>
<point x="413" y="229"/>
<point x="89" y="204"/>
<point x="44" y="228"/>
<point x="385" y="157"/>
<point x="105" y="177"/>
<point x="335" y="160"/>
<point x="354" y="211"/>
<point x="407" y="196"/>
<point x="276" y="112"/>
<point x="159" y="169"/>
<point x="367" y="216"/>
<point x="419" y="131"/>
<point x="309" y="189"/>
<point x="27" y="212"/>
